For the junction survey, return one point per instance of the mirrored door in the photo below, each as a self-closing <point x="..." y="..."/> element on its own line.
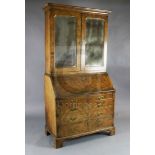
<point x="67" y="32"/>
<point x="94" y="42"/>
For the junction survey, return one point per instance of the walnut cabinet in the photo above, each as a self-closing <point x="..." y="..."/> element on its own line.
<point x="79" y="95"/>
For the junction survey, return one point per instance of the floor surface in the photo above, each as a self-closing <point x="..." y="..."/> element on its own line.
<point x="37" y="143"/>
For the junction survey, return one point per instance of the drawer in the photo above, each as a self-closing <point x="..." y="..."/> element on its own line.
<point x="72" y="110"/>
<point x="103" y="95"/>
<point x="71" y="117"/>
<point x="102" y="111"/>
<point x="73" y="129"/>
<point x="99" y="104"/>
<point x="100" y="107"/>
<point x="100" y="122"/>
<point x="100" y="101"/>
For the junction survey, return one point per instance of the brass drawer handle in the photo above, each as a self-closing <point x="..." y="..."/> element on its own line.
<point x="73" y="118"/>
<point x="74" y="106"/>
<point x="100" y="104"/>
<point x="101" y="98"/>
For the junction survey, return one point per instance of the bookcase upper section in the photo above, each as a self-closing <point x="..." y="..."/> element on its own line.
<point x="75" y="39"/>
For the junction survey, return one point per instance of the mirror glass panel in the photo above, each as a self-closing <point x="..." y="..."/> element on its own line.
<point x="94" y="44"/>
<point x="65" y="41"/>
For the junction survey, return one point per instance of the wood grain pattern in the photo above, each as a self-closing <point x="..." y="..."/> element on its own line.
<point x="72" y="110"/>
<point x="50" y="105"/>
<point x="88" y="111"/>
<point x="78" y="100"/>
<point x="49" y="6"/>
<point x="48" y="60"/>
<point x="73" y="85"/>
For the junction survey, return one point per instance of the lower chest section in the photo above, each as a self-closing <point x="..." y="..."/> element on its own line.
<point x="86" y="113"/>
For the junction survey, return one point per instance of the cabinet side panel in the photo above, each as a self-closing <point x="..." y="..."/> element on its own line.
<point x="47" y="43"/>
<point x="50" y="105"/>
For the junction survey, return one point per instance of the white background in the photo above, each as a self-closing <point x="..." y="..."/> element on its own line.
<point x="118" y="68"/>
<point x="12" y="78"/>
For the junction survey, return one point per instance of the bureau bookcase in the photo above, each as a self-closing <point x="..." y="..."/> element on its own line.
<point x="79" y="94"/>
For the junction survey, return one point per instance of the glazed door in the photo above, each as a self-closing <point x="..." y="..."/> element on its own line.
<point x="67" y="35"/>
<point x="94" y="42"/>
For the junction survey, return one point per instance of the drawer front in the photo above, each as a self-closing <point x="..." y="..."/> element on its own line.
<point x="105" y="107"/>
<point x="72" y="110"/>
<point x="102" y="95"/>
<point x="101" y="112"/>
<point x="73" y="129"/>
<point x="101" y="105"/>
<point x="77" y="115"/>
<point x="100" y="122"/>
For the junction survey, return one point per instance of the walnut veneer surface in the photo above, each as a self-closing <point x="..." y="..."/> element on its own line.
<point x="78" y="101"/>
